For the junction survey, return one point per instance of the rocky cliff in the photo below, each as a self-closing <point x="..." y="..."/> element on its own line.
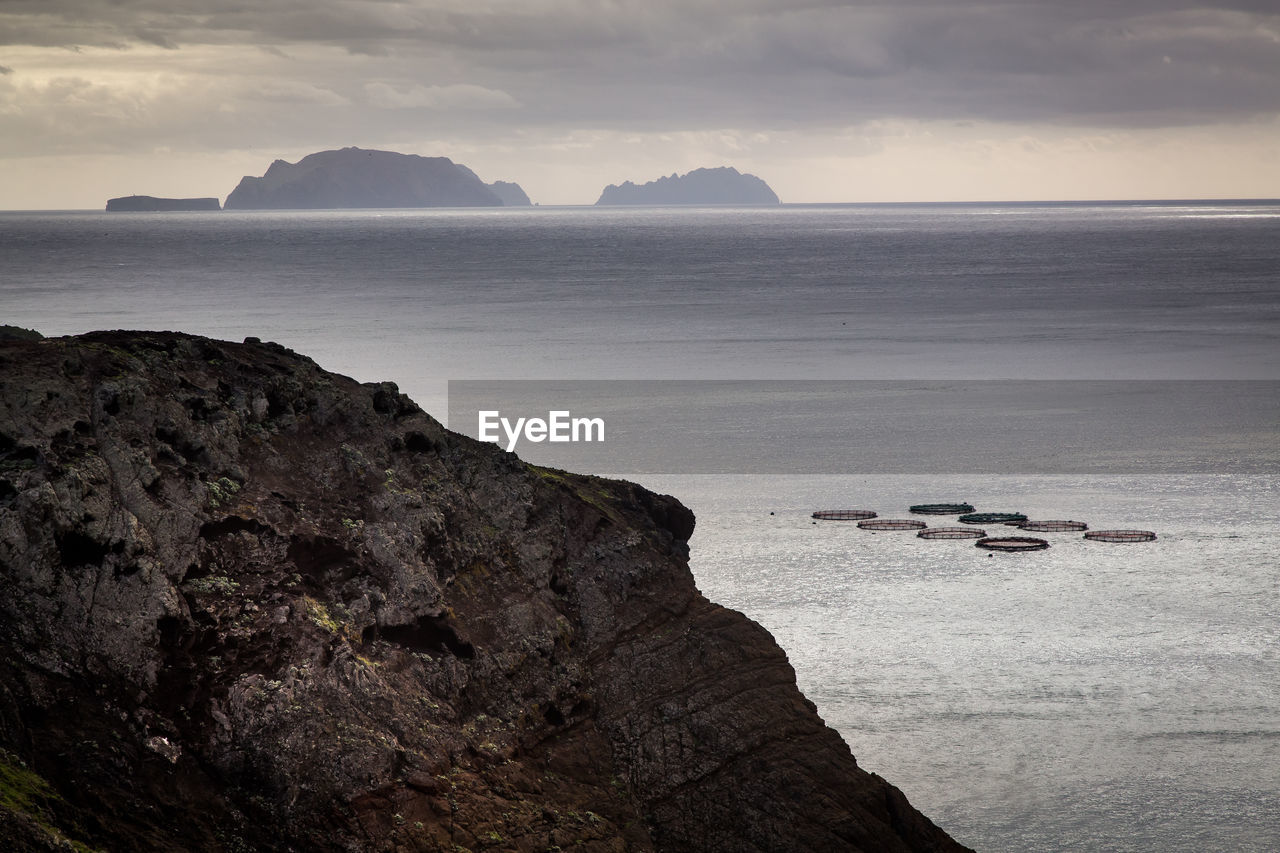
<point x="246" y="604"/>
<point x="723" y="185"/>
<point x="360" y="178"/>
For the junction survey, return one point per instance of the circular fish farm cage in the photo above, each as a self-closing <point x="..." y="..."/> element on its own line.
<point x="892" y="524"/>
<point x="1012" y="544"/>
<point x="1120" y="536"/>
<point x="951" y="533"/>
<point x="993" y="518"/>
<point x="1053" y="526"/>
<point x="844" y="514"/>
<point x="941" y="509"/>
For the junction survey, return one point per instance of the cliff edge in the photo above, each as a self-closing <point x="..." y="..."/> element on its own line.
<point x="246" y="604"/>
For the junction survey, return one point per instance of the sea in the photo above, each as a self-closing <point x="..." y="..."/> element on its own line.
<point x="1117" y="364"/>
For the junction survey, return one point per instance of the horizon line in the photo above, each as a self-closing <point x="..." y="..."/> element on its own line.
<point x="590" y="205"/>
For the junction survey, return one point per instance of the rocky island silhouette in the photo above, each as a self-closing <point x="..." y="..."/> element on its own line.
<point x="721" y="185"/>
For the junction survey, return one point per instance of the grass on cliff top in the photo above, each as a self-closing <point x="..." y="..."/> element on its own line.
<point x="585" y="486"/>
<point x="26" y="793"/>
<point x="17" y="333"/>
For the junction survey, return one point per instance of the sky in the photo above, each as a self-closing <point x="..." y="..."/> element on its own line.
<point x="828" y="101"/>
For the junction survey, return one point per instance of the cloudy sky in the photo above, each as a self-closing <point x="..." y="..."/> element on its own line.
<point x="826" y="100"/>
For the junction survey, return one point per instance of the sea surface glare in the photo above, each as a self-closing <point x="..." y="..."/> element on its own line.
<point x="1088" y="697"/>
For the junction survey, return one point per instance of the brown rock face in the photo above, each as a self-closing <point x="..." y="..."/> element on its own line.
<point x="246" y="604"/>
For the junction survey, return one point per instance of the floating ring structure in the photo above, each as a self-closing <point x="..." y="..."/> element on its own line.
<point x="1120" y="535"/>
<point x="941" y="509"/>
<point x="1053" y="526"/>
<point x="992" y="518"/>
<point x="1012" y="543"/>
<point x="892" y="524"/>
<point x="951" y="533"/>
<point x="844" y="514"/>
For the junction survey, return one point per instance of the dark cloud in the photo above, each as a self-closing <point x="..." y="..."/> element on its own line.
<point x="758" y="63"/>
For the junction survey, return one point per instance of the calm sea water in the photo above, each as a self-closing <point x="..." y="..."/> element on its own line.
<point x="1091" y="697"/>
<point x="1088" y="697"/>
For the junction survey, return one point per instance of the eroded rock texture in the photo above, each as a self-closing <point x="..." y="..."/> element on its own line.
<point x="247" y="604"/>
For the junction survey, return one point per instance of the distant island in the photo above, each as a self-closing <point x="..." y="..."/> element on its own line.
<point x="147" y="203"/>
<point x="362" y="178"/>
<point x="510" y="193"/>
<point x="723" y="185"/>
